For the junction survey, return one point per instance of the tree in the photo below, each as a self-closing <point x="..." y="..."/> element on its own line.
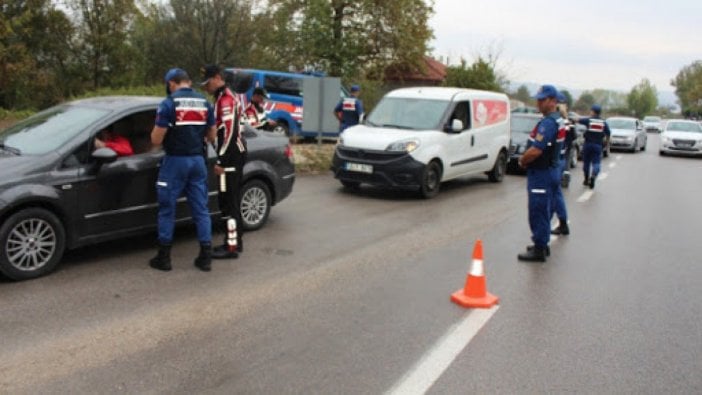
<point x="643" y="98"/>
<point x="104" y="44"/>
<point x="31" y="56"/>
<point x="568" y="98"/>
<point x="584" y="102"/>
<point x="688" y="87"/>
<point x="522" y="94"/>
<point x="479" y="75"/>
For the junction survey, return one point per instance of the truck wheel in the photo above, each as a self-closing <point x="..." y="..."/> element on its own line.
<point x="32" y="242"/>
<point x="431" y="180"/>
<point x="497" y="174"/>
<point x="282" y="129"/>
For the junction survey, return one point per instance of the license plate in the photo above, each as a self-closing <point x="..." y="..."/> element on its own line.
<point x="359" y="167"/>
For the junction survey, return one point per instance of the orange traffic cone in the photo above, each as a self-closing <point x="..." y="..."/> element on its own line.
<point x="475" y="293"/>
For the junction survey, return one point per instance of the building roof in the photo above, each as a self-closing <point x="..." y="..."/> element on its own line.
<point x="434" y="71"/>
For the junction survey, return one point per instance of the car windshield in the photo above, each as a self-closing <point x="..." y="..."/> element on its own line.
<point x="684" y="127"/>
<point x="50" y="129"/>
<point x="523" y="124"/>
<point x="652" y="119"/>
<point x="621" y="124"/>
<point x="405" y="113"/>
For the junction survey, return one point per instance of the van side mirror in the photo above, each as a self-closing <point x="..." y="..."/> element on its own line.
<point x="456" y="126"/>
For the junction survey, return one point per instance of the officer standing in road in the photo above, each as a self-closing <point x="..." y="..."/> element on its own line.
<point x="349" y="110"/>
<point x="558" y="205"/>
<point x="184" y="121"/>
<point x="255" y="114"/>
<point x="541" y="162"/>
<point x="231" y="157"/>
<point x="596" y="135"/>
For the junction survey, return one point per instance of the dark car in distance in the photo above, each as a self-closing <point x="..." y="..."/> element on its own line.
<point x="57" y="192"/>
<point x="521" y="125"/>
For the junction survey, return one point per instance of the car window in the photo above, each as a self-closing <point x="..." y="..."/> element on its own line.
<point x="621" y="124"/>
<point x="683" y="127"/>
<point x="409" y="113"/>
<point x="283" y="85"/>
<point x="523" y="124"/>
<point x="48" y="130"/>
<point x="462" y="113"/>
<point x="238" y="81"/>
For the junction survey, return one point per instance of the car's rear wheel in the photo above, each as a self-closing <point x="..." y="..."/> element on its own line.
<point x="255" y="204"/>
<point x="32" y="241"/>
<point x="431" y="180"/>
<point x="498" y="171"/>
<point x="281" y="128"/>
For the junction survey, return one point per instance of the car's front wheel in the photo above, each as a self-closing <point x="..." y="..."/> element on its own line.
<point x="32" y="241"/>
<point x="255" y="204"/>
<point x="431" y="180"/>
<point x="499" y="169"/>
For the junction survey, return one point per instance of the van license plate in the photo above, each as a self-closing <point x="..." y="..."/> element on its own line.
<point x="359" y="167"/>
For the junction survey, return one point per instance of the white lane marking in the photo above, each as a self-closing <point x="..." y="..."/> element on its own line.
<point x="434" y="363"/>
<point x="613" y="165"/>
<point x="602" y="176"/>
<point x="618" y="157"/>
<point x="585" y="196"/>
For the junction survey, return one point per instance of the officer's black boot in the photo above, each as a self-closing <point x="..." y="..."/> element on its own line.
<point x="536" y="254"/>
<point x="204" y="259"/>
<point x="592" y="182"/>
<point x="586" y="181"/>
<point x="162" y="260"/>
<point x="562" y="228"/>
<point x="548" y="250"/>
<point x="222" y="251"/>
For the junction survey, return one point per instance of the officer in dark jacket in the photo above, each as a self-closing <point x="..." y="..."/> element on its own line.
<point x="183" y="121"/>
<point x="231" y="157"/>
<point x="541" y="161"/>
<point x="349" y="110"/>
<point x="595" y="137"/>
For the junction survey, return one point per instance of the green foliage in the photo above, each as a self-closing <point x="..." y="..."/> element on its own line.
<point x="522" y="94"/>
<point x="14" y="115"/>
<point x="568" y="97"/>
<point x="150" y="90"/>
<point x="584" y="102"/>
<point x="688" y="87"/>
<point x="479" y="75"/>
<point x="643" y="98"/>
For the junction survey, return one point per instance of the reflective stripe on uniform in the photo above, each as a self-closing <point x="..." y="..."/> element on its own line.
<point x="538" y="191"/>
<point x="161" y="183"/>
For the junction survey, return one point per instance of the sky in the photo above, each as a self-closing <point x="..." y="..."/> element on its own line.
<point x="573" y="44"/>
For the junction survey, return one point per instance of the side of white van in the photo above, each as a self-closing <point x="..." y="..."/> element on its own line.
<point x="416" y="138"/>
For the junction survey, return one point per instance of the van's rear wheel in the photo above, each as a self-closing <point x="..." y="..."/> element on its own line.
<point x="431" y="180"/>
<point x="497" y="174"/>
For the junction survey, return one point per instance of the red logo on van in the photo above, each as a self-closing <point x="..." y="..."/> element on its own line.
<point x="488" y="112"/>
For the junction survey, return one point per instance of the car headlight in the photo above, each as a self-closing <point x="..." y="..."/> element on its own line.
<point x="403" y="146"/>
<point x="665" y="139"/>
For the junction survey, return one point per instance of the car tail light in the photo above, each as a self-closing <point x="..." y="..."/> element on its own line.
<point x="288" y="151"/>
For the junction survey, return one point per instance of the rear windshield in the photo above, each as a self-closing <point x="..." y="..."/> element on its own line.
<point x="621" y="124"/>
<point x="48" y="130"/>
<point x="683" y="127"/>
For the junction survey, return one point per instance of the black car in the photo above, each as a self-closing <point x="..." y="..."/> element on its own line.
<point x="521" y="125"/>
<point x="57" y="192"/>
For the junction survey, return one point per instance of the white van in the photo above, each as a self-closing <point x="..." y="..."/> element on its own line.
<point x="416" y="138"/>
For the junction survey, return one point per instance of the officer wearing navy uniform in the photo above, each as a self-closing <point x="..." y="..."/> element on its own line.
<point x="231" y="157"/>
<point x="595" y="136"/>
<point x="184" y="121"/>
<point x="349" y="110"/>
<point x="541" y="162"/>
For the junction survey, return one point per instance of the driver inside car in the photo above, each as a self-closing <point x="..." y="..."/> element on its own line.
<point x="108" y="138"/>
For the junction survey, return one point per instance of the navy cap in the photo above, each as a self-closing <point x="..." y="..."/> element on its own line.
<point x="209" y="71"/>
<point x="175" y="73"/>
<point x="596" y="108"/>
<point x="355" y="88"/>
<point x="547" y="91"/>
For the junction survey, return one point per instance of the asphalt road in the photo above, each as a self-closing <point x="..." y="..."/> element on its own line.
<point x="345" y="292"/>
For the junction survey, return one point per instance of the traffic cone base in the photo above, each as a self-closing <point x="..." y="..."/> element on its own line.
<point x="460" y="298"/>
<point x="474" y="293"/>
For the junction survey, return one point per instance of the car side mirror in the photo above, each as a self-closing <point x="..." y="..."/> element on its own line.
<point x="104" y="155"/>
<point x="456" y="126"/>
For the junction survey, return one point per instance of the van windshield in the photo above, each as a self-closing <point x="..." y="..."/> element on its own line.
<point x="406" y="113"/>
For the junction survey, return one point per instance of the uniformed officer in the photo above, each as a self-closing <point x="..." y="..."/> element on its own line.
<point x="596" y="135"/>
<point x="231" y="157"/>
<point x="349" y="110"/>
<point x="558" y="205"/>
<point x="541" y="161"/>
<point x="184" y="121"/>
<point x="255" y="114"/>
